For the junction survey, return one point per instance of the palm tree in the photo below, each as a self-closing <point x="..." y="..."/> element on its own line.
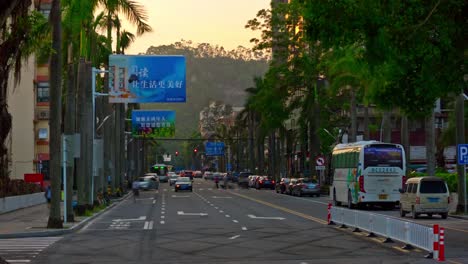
<point x="55" y="220"/>
<point x="126" y="38"/>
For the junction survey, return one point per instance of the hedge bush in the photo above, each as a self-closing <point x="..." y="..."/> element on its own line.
<point x="450" y="178"/>
<point x="17" y="187"/>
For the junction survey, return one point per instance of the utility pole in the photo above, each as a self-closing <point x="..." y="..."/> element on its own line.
<point x="460" y="138"/>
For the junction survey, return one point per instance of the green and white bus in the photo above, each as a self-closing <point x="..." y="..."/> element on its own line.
<point x="368" y="172"/>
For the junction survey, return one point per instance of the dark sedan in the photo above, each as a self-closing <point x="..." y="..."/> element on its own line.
<point x="306" y="187"/>
<point x="282" y="185"/>
<point x="265" y="182"/>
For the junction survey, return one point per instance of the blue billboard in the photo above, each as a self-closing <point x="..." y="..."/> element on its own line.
<point x="214" y="148"/>
<point x="147" y="79"/>
<point x="153" y="123"/>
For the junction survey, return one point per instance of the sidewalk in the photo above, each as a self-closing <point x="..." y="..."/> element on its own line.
<point x="32" y="221"/>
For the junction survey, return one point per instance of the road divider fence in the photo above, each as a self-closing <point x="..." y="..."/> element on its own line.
<point x="430" y="239"/>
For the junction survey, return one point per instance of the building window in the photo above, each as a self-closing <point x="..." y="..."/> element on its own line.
<point x="43" y="92"/>
<point x="43" y="133"/>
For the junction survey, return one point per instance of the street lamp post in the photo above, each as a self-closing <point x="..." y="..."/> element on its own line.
<point x="95" y="71"/>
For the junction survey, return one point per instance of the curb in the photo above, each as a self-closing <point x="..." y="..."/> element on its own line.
<point x="459" y="216"/>
<point x="59" y="232"/>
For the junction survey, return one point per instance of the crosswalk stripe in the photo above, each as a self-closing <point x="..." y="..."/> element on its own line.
<point x="23" y="250"/>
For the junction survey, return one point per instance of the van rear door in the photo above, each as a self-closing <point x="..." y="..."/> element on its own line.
<point x="433" y="194"/>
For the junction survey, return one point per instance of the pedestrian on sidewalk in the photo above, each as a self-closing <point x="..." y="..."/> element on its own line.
<point x="48" y="195"/>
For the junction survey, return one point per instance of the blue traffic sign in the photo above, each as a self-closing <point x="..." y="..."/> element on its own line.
<point x="214" y="148"/>
<point x="462" y="154"/>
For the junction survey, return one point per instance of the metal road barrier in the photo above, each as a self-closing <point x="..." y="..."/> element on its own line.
<point x="412" y="234"/>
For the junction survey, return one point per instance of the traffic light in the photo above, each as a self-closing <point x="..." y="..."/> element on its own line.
<point x="195" y="150"/>
<point x="177" y="153"/>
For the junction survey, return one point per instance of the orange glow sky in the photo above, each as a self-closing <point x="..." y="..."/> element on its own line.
<point x="214" y="21"/>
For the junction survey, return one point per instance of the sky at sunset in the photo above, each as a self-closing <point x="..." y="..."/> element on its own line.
<point x="214" y="21"/>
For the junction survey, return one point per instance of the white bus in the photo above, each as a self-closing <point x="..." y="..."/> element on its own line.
<point x="368" y="172"/>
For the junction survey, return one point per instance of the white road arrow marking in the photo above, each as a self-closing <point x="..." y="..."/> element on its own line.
<point x="267" y="218"/>
<point x="199" y="214"/>
<point x="142" y="218"/>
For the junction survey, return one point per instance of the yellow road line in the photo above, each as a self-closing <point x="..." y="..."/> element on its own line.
<point x="453" y="261"/>
<point x="459" y="230"/>
<point x="308" y="217"/>
<point x="400" y="249"/>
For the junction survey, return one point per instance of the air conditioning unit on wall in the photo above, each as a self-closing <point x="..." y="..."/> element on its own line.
<point x="43" y="114"/>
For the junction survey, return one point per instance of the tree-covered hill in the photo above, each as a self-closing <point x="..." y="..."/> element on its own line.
<point x="213" y="73"/>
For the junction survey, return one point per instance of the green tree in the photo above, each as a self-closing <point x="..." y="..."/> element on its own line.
<point x="21" y="34"/>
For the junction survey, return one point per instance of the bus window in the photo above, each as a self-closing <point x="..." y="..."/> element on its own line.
<point x="383" y="157"/>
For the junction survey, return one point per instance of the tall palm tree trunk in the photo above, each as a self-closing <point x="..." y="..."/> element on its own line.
<point x="430" y="144"/>
<point x="405" y="138"/>
<point x="55" y="220"/>
<point x="366" y="122"/>
<point x="353" y="132"/>
<point x="69" y="129"/>
<point x="386" y="127"/>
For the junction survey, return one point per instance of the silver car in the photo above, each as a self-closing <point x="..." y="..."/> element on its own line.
<point x="148" y="182"/>
<point x="172" y="179"/>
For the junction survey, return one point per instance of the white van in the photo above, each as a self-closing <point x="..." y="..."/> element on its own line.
<point x="425" y="195"/>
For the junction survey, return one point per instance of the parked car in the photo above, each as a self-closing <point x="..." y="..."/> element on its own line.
<point x="306" y="186"/>
<point x="282" y="185"/>
<point x="235" y="176"/>
<point x="290" y="186"/>
<point x="243" y="179"/>
<point x="425" y="195"/>
<point x="172" y="179"/>
<point x="264" y="182"/>
<point x="253" y="180"/>
<point x="183" y="183"/>
<point x="149" y="181"/>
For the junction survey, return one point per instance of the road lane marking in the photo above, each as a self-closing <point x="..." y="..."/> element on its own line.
<point x="18" y="260"/>
<point x="163" y="212"/>
<point x="145" y="199"/>
<point x="216" y="208"/>
<point x="221" y="211"/>
<point x="266" y="217"/>
<point x="308" y="200"/>
<point x="228" y="216"/>
<point x="221" y="197"/>
<point x="146" y="225"/>
<point x="234" y="237"/>
<point x="199" y="214"/>
<point x="162" y="216"/>
<point x="162" y="222"/>
<point x="453" y="261"/>
<point x="235" y="221"/>
<point x="180" y="196"/>
<point x="244" y="228"/>
<point x="309" y="217"/>
<point x="141" y="218"/>
<point x="210" y="189"/>
<point x="151" y="225"/>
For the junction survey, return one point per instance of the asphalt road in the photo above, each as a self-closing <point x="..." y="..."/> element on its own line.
<point x="219" y="226"/>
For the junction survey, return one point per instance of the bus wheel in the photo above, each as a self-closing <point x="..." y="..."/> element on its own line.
<point x="335" y="202"/>
<point x="350" y="200"/>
